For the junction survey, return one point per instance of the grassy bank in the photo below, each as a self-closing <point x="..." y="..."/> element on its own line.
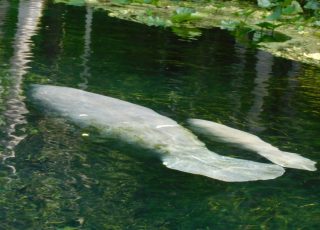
<point x="293" y="36"/>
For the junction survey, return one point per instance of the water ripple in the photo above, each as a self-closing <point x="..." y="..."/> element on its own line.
<point x="28" y="18"/>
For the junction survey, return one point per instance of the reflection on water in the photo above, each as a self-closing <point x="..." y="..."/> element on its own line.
<point x="86" y="54"/>
<point x="28" y="18"/>
<point x="237" y="83"/>
<point x="309" y="80"/>
<point x="66" y="180"/>
<point x="264" y="70"/>
<point x="3" y="13"/>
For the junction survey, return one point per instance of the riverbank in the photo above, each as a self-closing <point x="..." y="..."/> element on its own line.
<point x="246" y="21"/>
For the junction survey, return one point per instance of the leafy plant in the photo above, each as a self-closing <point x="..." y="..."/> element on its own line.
<point x="252" y="36"/>
<point x="183" y="14"/>
<point x="268" y="26"/>
<point x="152" y="20"/>
<point x="187" y="33"/>
<point x="310" y="8"/>
<point x="230" y="25"/>
<point x="72" y="2"/>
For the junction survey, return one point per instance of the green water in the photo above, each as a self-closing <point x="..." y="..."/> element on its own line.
<point x="54" y="177"/>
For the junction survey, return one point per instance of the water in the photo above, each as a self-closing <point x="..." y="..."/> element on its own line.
<point x="53" y="176"/>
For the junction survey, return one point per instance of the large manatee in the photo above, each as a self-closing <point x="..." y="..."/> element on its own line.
<point x="251" y="142"/>
<point x="178" y="148"/>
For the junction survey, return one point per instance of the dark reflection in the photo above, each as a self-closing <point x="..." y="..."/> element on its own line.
<point x="53" y="29"/>
<point x="4" y="5"/>
<point x="238" y="82"/>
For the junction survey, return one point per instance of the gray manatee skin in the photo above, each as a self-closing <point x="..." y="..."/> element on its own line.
<point x="177" y="147"/>
<point x="251" y="142"/>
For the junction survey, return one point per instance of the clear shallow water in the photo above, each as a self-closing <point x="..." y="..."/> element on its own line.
<point x="64" y="179"/>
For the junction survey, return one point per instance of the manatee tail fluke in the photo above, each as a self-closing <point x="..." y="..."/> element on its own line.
<point x="223" y="168"/>
<point x="289" y="160"/>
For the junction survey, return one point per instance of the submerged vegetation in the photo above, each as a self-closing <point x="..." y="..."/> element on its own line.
<point x="286" y="28"/>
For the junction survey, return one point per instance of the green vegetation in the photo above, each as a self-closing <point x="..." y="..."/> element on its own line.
<point x="282" y="8"/>
<point x="285" y="28"/>
<point x="289" y="9"/>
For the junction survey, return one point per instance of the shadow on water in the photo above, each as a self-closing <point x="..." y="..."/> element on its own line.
<point x="65" y="179"/>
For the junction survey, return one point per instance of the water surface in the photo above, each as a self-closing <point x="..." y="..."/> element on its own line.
<point x="54" y="177"/>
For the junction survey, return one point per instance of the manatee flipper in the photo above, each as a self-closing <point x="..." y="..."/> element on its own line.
<point x="223" y="168"/>
<point x="241" y="139"/>
<point x="288" y="159"/>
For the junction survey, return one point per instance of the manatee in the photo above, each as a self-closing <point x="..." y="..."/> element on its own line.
<point x="177" y="147"/>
